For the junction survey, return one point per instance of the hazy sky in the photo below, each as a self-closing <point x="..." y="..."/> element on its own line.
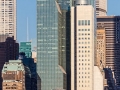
<point x="27" y="8"/>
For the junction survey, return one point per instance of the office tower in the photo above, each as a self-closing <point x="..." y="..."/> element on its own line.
<point x="29" y="62"/>
<point x="100" y="80"/>
<point x="112" y="29"/>
<point x="9" y="49"/>
<point x="51" y="43"/>
<point x="82" y="45"/>
<point x="26" y="47"/>
<point x="101" y="7"/>
<point x="65" y="38"/>
<point x="16" y="76"/>
<point x="101" y="47"/>
<point x="8" y="17"/>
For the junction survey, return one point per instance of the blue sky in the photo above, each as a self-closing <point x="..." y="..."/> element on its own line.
<point x="27" y="8"/>
<point x="113" y="7"/>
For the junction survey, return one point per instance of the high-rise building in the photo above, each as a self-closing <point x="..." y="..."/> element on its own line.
<point x="26" y="48"/>
<point x="101" y="7"/>
<point x="8" y="17"/>
<point x="29" y="62"/>
<point x="52" y="23"/>
<point x="112" y="32"/>
<point x="9" y="50"/>
<point x="101" y="48"/>
<point x="34" y="56"/>
<point x="16" y="76"/>
<point x="82" y="45"/>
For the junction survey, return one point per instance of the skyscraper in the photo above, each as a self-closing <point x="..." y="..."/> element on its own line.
<point x="26" y="48"/>
<point x="101" y="47"/>
<point x="51" y="43"/>
<point x="8" y="17"/>
<point x="101" y="7"/>
<point x="82" y="45"/>
<point x="112" y="30"/>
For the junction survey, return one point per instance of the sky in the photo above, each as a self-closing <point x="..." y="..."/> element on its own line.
<point x="27" y="8"/>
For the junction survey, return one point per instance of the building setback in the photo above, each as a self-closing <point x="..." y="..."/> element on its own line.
<point x="82" y="45"/>
<point x="9" y="49"/>
<point x="112" y="30"/>
<point x="8" y="17"/>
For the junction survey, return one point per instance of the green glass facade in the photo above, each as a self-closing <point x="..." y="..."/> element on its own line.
<point x="51" y="44"/>
<point x="26" y="48"/>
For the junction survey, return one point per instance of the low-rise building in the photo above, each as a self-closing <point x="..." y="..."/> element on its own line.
<point x="16" y="76"/>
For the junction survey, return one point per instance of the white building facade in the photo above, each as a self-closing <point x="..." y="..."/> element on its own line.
<point x="8" y="17"/>
<point x="82" y="46"/>
<point x="101" y="7"/>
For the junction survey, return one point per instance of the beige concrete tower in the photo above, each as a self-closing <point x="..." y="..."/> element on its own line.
<point x="101" y="7"/>
<point x="8" y="17"/>
<point x="82" y="45"/>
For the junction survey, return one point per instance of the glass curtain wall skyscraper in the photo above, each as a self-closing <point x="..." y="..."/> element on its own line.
<point x="51" y="46"/>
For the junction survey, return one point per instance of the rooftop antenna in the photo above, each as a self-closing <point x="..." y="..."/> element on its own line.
<point x="27" y="31"/>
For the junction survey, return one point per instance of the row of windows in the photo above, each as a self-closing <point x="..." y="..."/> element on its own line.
<point x="84" y="60"/>
<point x="84" y="77"/>
<point x="83" y="22"/>
<point x="84" y="86"/>
<point x="84" y="42"/>
<point x="84" y="73"/>
<point x="83" y="29"/>
<point x="84" y="51"/>
<point x="84" y="55"/>
<point x="84" y="47"/>
<point x="84" y="33"/>
<point x="84" y="38"/>
<point x="84" y="64"/>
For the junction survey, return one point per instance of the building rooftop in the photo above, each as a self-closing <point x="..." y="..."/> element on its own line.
<point x="13" y="65"/>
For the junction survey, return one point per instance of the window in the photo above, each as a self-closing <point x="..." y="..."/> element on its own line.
<point x="79" y="22"/>
<point x="88" y="22"/>
<point x="85" y="22"/>
<point x="82" y="22"/>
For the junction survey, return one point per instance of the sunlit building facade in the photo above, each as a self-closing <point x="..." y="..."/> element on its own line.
<point x="112" y="30"/>
<point x="101" y="7"/>
<point x="8" y="17"/>
<point x="82" y="45"/>
<point x="101" y="47"/>
<point x="13" y="74"/>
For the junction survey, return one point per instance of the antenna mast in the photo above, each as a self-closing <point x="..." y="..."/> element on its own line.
<point x="27" y="31"/>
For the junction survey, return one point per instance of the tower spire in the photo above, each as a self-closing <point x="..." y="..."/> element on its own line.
<point x="27" y="31"/>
